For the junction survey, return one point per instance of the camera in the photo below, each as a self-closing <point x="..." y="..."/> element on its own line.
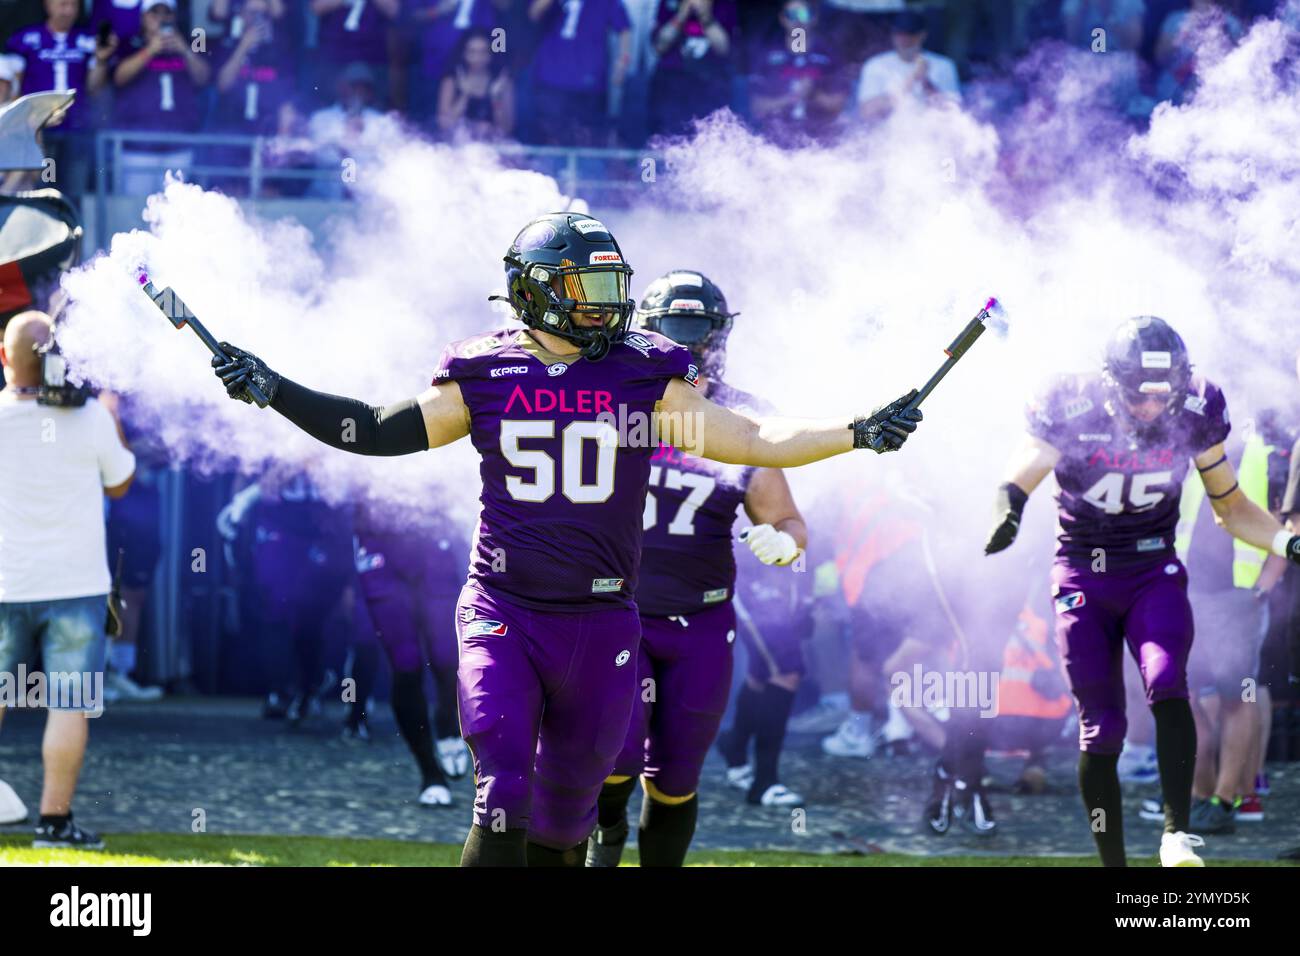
<point x="55" y="389"/>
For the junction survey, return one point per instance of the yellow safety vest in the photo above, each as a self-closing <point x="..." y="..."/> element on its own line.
<point x="1252" y="476"/>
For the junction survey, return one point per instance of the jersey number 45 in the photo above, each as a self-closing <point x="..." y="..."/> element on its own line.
<point x="1108" y="492"/>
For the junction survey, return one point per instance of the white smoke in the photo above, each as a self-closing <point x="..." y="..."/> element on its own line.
<point x="853" y="266"/>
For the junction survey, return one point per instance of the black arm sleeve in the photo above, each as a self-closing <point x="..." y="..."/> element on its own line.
<point x="353" y="426"/>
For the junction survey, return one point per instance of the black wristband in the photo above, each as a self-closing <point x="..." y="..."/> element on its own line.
<point x="354" y="426"/>
<point x="1012" y="498"/>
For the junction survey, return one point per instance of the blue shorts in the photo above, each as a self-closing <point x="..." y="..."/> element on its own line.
<point x="69" y="634"/>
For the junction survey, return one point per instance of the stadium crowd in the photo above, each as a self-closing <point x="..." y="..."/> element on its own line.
<point x="320" y="79"/>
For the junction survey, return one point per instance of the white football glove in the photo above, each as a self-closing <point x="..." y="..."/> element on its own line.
<point x="769" y="545"/>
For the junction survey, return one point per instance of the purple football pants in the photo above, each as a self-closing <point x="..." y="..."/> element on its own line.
<point x="683" y="682"/>
<point x="1097" y="613"/>
<point x="545" y="700"/>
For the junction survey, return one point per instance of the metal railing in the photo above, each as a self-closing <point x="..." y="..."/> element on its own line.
<point x="599" y="175"/>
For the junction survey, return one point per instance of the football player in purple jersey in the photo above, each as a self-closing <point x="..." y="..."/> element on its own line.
<point x="1120" y="443"/>
<point x="684" y="595"/>
<point x="566" y="415"/>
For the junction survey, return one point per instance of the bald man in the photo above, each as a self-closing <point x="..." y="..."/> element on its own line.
<point x="56" y="464"/>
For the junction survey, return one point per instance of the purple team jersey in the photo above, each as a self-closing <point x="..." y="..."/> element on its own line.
<point x="688" y="562"/>
<point x="442" y="35"/>
<point x="1119" y="492"/>
<point x="56" y="61"/>
<point x="566" y="447"/>
<point x="574" y="52"/>
<point x="162" y="97"/>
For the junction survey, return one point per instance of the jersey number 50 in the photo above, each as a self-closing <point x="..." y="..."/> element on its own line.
<point x="541" y="485"/>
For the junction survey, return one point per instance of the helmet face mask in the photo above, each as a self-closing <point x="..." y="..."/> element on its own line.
<point x="1147" y="370"/>
<point x="567" y="277"/>
<point x="692" y="311"/>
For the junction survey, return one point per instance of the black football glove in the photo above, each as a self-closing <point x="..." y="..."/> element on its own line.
<point x="240" y="369"/>
<point x="1293" y="549"/>
<point x="886" y="428"/>
<point x="1010" y="503"/>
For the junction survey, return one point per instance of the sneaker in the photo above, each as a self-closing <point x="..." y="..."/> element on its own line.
<point x="853" y="738"/>
<point x="1179" y="849"/>
<point x="897" y="728"/>
<point x="1249" y="809"/>
<point x="821" y="718"/>
<point x="1212" y="816"/>
<point x="742" y="777"/>
<point x="605" y="845"/>
<point x="12" y="808"/>
<point x="453" y="757"/>
<point x="436" y="795"/>
<point x="777" y="795"/>
<point x="120" y="687"/>
<point x="1137" y="764"/>
<point x="67" y="836"/>
<point x="938" y="809"/>
<point x="1152" y="810"/>
<point x="971" y="806"/>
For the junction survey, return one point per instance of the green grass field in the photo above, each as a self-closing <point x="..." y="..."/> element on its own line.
<point x="170" y="849"/>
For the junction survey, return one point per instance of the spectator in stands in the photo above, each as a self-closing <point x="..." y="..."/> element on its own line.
<point x="289" y="148"/>
<point x="694" y="40"/>
<point x="256" y="72"/>
<point x="858" y="29"/>
<point x="59" y="55"/>
<point x="571" y="70"/>
<point x="54" y="579"/>
<point x="158" y="83"/>
<point x="443" y="26"/>
<point x="797" y="88"/>
<point x="1182" y="32"/>
<point x="122" y="15"/>
<point x="907" y="74"/>
<point x="8" y="79"/>
<point x="476" y="98"/>
<point x="987" y="31"/>
<point x="354" y="31"/>
<point x="351" y="128"/>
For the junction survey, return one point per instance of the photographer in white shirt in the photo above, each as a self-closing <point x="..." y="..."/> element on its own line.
<point x="56" y="464"/>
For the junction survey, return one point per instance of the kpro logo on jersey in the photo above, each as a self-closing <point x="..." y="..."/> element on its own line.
<point x="1068" y="602"/>
<point x="476" y="628"/>
<point x="508" y="370"/>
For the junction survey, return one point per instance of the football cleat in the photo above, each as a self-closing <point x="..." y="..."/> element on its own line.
<point x="1179" y="849"/>
<point x="777" y="795"/>
<point x="436" y="795"/>
<point x="68" y="836"/>
<point x="971" y="806"/>
<point x="453" y="757"/>
<point x="938" y="809"/>
<point x="853" y="738"/>
<point x="605" y="845"/>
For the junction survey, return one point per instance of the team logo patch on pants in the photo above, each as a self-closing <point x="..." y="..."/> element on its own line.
<point x="1068" y="602"/>
<point x="475" y="628"/>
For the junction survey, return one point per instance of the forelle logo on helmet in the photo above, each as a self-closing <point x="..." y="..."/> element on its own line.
<point x="1156" y="360"/>
<point x="689" y="305"/>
